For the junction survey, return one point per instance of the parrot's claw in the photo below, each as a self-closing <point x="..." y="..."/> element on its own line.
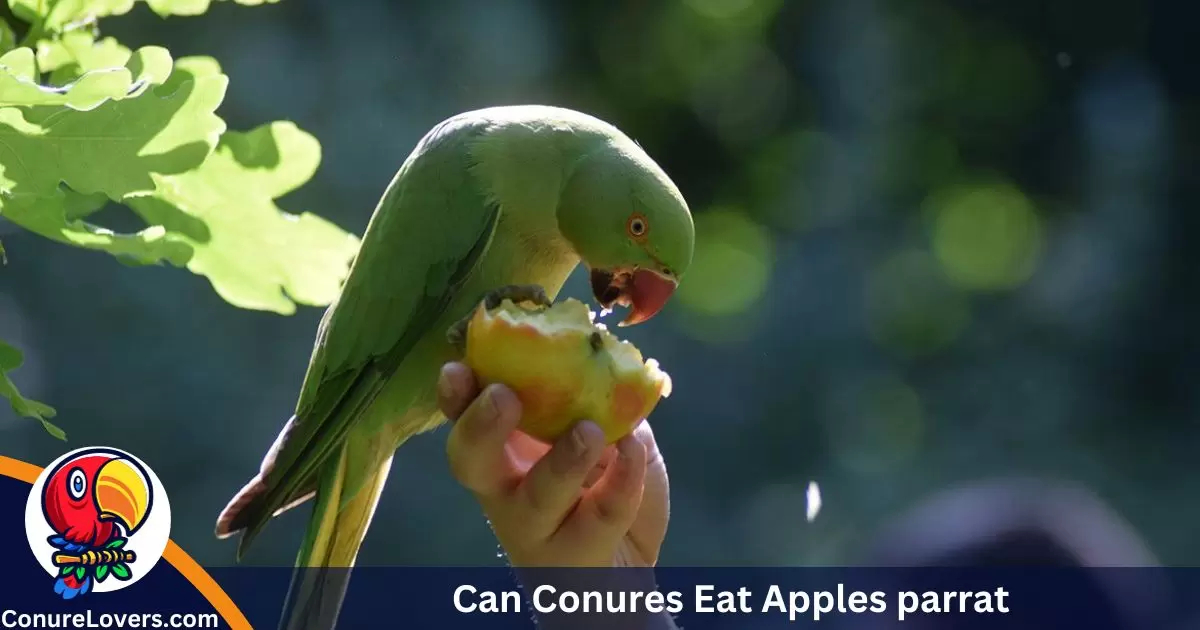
<point x="457" y="335"/>
<point x="517" y="293"/>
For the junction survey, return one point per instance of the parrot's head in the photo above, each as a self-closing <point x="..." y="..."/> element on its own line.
<point x="629" y="225"/>
<point x="86" y="495"/>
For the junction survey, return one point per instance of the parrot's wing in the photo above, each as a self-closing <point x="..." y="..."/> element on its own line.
<point x="424" y="241"/>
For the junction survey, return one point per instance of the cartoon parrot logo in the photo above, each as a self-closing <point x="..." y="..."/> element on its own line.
<point x="95" y="501"/>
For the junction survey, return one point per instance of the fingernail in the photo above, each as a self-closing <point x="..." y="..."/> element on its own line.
<point x="487" y="402"/>
<point x="579" y="440"/>
<point x="444" y="387"/>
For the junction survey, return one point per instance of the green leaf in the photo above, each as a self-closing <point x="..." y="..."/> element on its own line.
<point x="77" y="52"/>
<point x="58" y="14"/>
<point x="101" y="572"/>
<point x="178" y="7"/>
<point x="64" y="571"/>
<point x="20" y="63"/>
<point x="8" y="39"/>
<point x="120" y="571"/>
<point x="80" y="571"/>
<point x="113" y="148"/>
<point x="213" y="213"/>
<point x="77" y="206"/>
<point x="255" y="255"/>
<point x="29" y="10"/>
<point x="116" y="544"/>
<point x="50" y="217"/>
<point x="110" y="151"/>
<point x="11" y="359"/>
<point x="148" y="66"/>
<point x="3" y="255"/>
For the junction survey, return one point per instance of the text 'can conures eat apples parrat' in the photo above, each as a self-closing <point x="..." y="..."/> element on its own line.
<point x="492" y="205"/>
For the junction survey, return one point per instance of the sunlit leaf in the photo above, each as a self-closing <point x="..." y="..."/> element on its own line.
<point x="113" y="149"/>
<point x="148" y="66"/>
<point x="109" y="151"/>
<point x="77" y="52"/>
<point x="212" y="213"/>
<point x="20" y="63"/>
<point x="48" y="217"/>
<point x="255" y="255"/>
<point x="56" y="14"/>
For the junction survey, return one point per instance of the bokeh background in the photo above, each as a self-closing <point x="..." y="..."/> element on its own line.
<point x="939" y="242"/>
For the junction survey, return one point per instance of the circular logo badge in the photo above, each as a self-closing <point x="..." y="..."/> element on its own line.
<point x="97" y="520"/>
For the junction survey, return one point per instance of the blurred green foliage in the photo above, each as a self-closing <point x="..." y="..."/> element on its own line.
<point x="985" y="236"/>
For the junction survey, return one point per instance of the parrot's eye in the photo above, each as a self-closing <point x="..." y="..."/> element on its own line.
<point x="637" y="226"/>
<point x="76" y="484"/>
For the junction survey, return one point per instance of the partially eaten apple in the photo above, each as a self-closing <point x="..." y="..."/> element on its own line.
<point x="564" y="368"/>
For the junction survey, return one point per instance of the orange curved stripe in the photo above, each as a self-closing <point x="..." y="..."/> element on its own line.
<point x="173" y="554"/>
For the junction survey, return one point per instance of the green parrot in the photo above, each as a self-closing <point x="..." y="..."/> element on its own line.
<point x="495" y="203"/>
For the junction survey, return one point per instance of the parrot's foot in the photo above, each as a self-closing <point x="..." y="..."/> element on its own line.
<point x="457" y="335"/>
<point x="517" y="293"/>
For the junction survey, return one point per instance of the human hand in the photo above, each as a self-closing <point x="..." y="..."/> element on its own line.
<point x="578" y="503"/>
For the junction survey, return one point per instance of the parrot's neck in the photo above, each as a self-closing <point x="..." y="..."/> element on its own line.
<point x="526" y="252"/>
<point x="523" y="168"/>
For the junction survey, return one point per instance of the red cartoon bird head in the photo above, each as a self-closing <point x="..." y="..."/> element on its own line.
<point x="88" y="496"/>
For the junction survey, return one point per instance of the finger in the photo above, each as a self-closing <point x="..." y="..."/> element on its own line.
<point x="479" y="459"/>
<point x="555" y="483"/>
<point x="597" y="471"/>
<point x="650" y="527"/>
<point x="611" y="506"/>
<point x="456" y="387"/>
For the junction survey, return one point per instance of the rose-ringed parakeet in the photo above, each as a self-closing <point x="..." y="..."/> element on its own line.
<point x="494" y="203"/>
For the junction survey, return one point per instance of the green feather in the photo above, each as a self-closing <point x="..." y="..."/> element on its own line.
<point x="399" y="285"/>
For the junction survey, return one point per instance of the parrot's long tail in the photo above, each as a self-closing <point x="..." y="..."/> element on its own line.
<point x="335" y="533"/>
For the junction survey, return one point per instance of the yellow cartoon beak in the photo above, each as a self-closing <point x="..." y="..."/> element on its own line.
<point x="122" y="493"/>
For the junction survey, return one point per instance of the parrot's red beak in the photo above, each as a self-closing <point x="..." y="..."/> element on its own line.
<point x="644" y="291"/>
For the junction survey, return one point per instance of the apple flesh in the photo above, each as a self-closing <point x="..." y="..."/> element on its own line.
<point x="564" y="368"/>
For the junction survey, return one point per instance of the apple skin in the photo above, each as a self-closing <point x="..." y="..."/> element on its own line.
<point x="563" y="368"/>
